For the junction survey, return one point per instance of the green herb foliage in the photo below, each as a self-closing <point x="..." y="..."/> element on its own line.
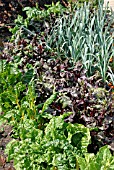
<point x="55" y="146"/>
<point x="103" y="160"/>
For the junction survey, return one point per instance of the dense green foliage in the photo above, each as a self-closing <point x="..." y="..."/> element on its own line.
<point x="45" y="95"/>
<point x="84" y="36"/>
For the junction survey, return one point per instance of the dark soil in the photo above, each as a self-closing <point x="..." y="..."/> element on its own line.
<point x="5" y="138"/>
<point x="8" y="13"/>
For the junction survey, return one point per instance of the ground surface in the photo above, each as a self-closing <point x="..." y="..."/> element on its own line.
<point x="5" y="137"/>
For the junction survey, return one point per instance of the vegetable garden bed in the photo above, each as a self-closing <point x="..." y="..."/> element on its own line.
<point x="57" y="88"/>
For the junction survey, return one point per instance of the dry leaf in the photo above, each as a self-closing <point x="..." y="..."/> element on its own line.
<point x="2" y="160"/>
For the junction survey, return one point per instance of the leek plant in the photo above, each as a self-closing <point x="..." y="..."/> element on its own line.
<point x="84" y="35"/>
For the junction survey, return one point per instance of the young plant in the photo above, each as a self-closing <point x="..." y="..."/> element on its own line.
<point x="84" y="36"/>
<point x="54" y="146"/>
<point x="103" y="160"/>
<point x="35" y="14"/>
<point x="58" y="145"/>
